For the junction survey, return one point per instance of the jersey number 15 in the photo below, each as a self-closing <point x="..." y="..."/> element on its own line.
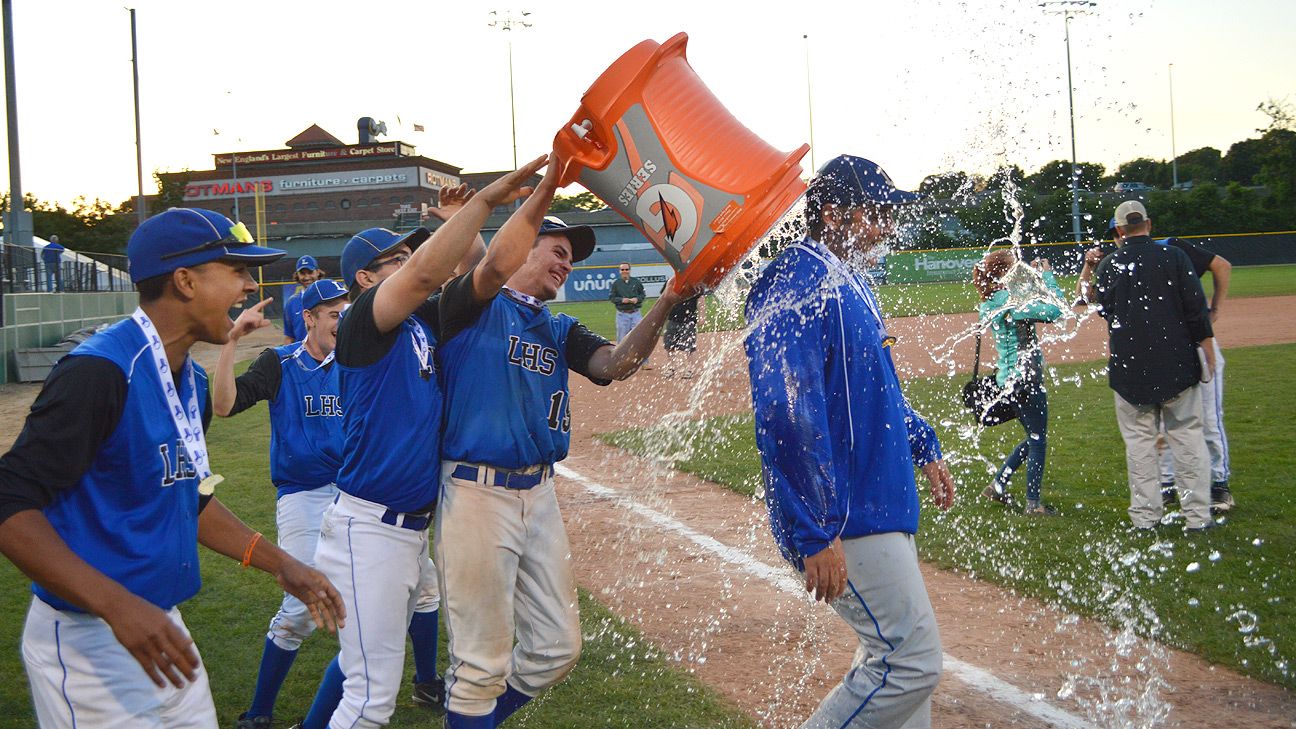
<point x="559" y="416"/>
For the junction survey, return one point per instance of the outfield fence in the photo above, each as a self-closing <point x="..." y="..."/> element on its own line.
<point x="955" y="264"/>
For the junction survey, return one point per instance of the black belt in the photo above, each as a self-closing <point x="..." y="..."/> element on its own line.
<point x="416" y="522"/>
<point x="507" y="479"/>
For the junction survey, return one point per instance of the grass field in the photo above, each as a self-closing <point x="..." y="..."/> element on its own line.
<point x="1229" y="595"/>
<point x="620" y="681"/>
<point x="936" y="298"/>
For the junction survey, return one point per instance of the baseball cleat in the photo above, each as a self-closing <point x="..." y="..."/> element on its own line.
<point x="1221" y="497"/>
<point x="1169" y="495"/>
<point x="430" y="694"/>
<point x="254" y="722"/>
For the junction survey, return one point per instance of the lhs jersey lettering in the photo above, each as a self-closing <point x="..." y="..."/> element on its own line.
<point x="532" y="356"/>
<point x="179" y="468"/>
<point x="323" y="406"/>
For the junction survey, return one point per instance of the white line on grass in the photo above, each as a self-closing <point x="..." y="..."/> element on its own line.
<point x="977" y="678"/>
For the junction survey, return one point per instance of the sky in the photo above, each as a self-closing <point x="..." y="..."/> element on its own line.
<point x="921" y="86"/>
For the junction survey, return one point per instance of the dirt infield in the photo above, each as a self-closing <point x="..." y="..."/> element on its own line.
<point x="652" y="544"/>
<point x="692" y="566"/>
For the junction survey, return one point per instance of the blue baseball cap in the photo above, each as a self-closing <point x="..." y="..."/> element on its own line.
<point x="322" y="291"/>
<point x="373" y="243"/>
<point x="307" y="263"/>
<point x="581" y="237"/>
<point x="188" y="237"/>
<point x="853" y="181"/>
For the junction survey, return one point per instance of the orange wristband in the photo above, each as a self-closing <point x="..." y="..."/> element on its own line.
<point x="247" y="551"/>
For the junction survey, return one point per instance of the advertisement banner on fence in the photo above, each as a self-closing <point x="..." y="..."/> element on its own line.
<point x="592" y="283"/>
<point x="929" y="266"/>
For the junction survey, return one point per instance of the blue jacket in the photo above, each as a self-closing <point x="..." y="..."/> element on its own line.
<point x="837" y="438"/>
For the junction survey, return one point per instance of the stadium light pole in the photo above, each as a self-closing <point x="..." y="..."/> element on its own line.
<point x="507" y="23"/>
<point x="1069" y="9"/>
<point x="1174" y="155"/>
<point x="809" y="102"/>
<point x="18" y="230"/>
<point x="140" y="212"/>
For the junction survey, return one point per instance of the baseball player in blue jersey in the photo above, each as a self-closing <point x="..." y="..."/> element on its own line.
<point x="838" y="444"/>
<point x="374" y="539"/>
<point x="300" y="384"/>
<point x="501" y="546"/>
<point x="308" y="272"/>
<point x="106" y="494"/>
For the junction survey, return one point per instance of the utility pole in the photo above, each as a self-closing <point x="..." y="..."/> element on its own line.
<point x="140" y="212"/>
<point x="1068" y="9"/>
<point x="1174" y="155"/>
<point x="18" y="228"/>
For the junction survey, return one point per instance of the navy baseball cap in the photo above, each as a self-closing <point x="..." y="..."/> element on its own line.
<point x="373" y="243"/>
<point x="581" y="237"/>
<point x="307" y="263"/>
<point x="188" y="237"/>
<point x="322" y="291"/>
<point x="853" y="181"/>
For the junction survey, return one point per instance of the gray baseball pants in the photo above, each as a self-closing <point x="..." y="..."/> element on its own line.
<point x="898" y="662"/>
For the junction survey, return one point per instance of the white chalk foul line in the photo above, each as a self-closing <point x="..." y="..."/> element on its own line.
<point x="977" y="678"/>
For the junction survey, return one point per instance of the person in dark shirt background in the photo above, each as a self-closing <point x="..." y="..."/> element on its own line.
<point x="1158" y="323"/>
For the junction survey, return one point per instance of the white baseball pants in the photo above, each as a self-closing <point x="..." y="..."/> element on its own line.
<point x="1212" y="399"/>
<point x="898" y="662"/>
<point x="505" y="571"/>
<point x="381" y="570"/>
<point x="82" y="677"/>
<point x="297" y="519"/>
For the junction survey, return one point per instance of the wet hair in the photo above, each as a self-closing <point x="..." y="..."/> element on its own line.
<point x="814" y="215"/>
<point x="986" y="275"/>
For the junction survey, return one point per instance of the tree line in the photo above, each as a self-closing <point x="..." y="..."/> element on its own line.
<point x="1249" y="188"/>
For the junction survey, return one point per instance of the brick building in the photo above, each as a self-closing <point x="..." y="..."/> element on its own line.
<point x="318" y="191"/>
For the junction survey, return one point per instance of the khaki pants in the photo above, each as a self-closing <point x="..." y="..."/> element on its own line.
<point x="506" y="573"/>
<point x="1139" y="425"/>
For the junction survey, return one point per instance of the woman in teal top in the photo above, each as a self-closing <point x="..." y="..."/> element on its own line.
<point x="1020" y="367"/>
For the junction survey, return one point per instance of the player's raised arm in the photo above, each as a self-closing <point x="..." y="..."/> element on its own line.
<point x="450" y="201"/>
<point x="511" y="245"/>
<point x="434" y="261"/>
<point x="620" y="361"/>
<point x="224" y="390"/>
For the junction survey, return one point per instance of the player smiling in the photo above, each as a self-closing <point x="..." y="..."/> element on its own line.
<point x="501" y="544"/>
<point x="102" y="497"/>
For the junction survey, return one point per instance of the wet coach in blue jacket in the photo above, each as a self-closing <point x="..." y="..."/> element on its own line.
<point x="839" y="443"/>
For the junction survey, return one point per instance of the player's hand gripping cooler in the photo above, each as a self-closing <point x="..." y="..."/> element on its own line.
<point x="652" y="142"/>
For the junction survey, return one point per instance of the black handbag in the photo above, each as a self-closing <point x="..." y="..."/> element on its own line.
<point x="989" y="404"/>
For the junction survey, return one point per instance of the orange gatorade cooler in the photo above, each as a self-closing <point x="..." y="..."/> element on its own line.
<point x="654" y="144"/>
